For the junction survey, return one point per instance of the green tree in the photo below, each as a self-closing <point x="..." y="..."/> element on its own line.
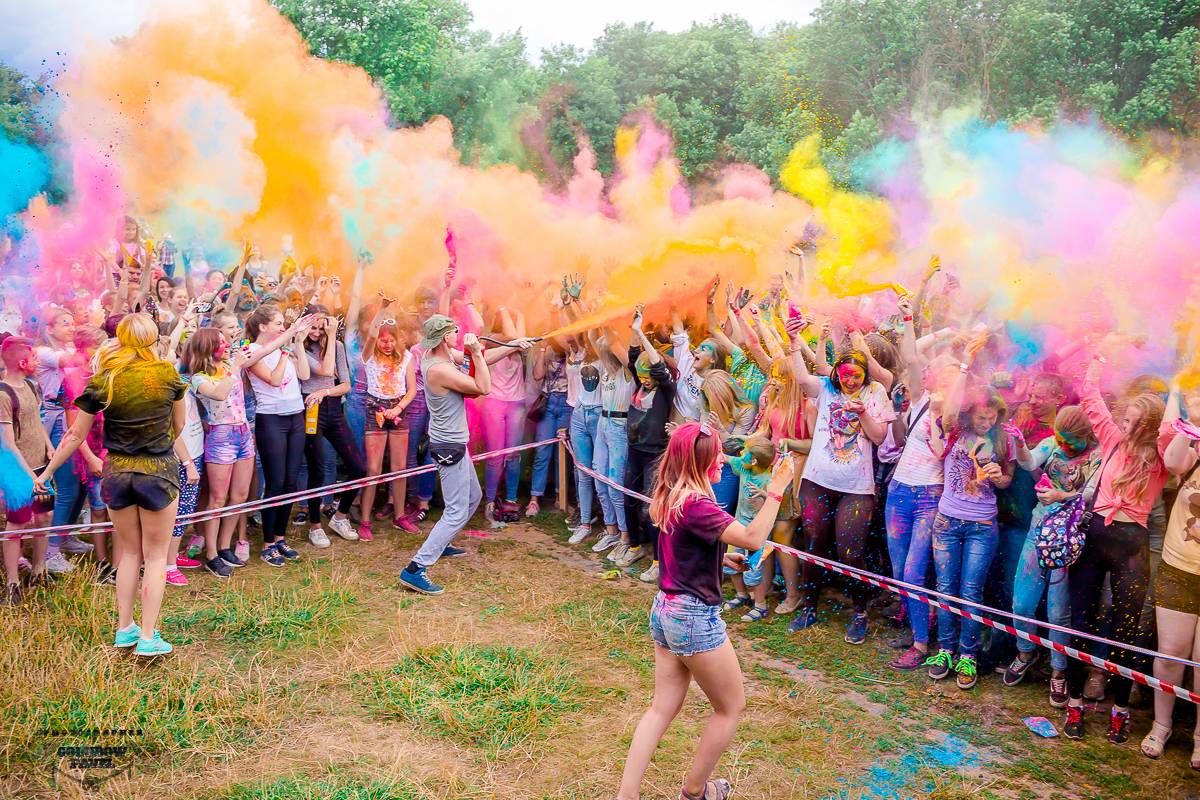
<point x="16" y="106"/>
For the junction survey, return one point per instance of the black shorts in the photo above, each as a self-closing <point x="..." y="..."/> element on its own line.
<point x="1177" y="590"/>
<point x="375" y="405"/>
<point x="124" y="489"/>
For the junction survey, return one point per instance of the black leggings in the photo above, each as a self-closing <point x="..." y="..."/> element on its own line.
<point x="1122" y="551"/>
<point x="331" y="425"/>
<point x="280" y="440"/>
<point x="831" y="517"/>
<point x="640" y="470"/>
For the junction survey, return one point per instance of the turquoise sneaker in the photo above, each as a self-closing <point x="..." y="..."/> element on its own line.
<point x="127" y="637"/>
<point x="153" y="647"/>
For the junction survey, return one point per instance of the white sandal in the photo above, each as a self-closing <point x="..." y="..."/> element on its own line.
<point x="1153" y="745"/>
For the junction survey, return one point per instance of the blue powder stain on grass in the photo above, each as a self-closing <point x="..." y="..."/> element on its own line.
<point x="893" y="779"/>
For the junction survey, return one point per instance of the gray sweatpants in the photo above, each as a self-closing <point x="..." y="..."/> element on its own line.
<point x="460" y="490"/>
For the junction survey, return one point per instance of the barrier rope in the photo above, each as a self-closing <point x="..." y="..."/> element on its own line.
<point x="270" y="502"/>
<point x="927" y="596"/>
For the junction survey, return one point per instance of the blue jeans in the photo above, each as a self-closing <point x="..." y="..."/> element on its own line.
<point x="355" y="409"/>
<point x="1030" y="584"/>
<point x="612" y="450"/>
<point x="503" y="425"/>
<point x="557" y="417"/>
<point x="584" y="420"/>
<point x="69" y="497"/>
<point x="909" y="513"/>
<point x="686" y="625"/>
<point x="962" y="553"/>
<point x="726" y="489"/>
<point x="421" y="486"/>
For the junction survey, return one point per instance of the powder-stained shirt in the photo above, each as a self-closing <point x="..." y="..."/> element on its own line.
<point x="690" y="550"/>
<point x="231" y="410"/>
<point x="32" y="441"/>
<point x="746" y="374"/>
<point x="137" y="421"/>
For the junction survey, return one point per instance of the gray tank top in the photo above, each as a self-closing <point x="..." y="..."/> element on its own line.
<point x="447" y="412"/>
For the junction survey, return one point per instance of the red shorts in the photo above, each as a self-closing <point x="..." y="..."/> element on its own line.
<point x="22" y="516"/>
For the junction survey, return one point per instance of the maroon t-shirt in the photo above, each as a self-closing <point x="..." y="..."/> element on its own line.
<point x="690" y="553"/>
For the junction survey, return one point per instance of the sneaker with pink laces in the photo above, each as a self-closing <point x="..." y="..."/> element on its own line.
<point x="175" y="578"/>
<point x="364" y="533"/>
<point x="242" y="551"/>
<point x="405" y="524"/>
<point x="183" y="562"/>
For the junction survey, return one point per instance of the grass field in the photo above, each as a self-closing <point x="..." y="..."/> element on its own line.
<point x="525" y="680"/>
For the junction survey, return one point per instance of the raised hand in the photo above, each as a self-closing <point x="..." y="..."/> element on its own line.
<point x="743" y="298"/>
<point x="1012" y="430"/>
<point x="712" y="289"/>
<point x="575" y="287"/>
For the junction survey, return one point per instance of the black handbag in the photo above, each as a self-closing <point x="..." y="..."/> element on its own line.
<point x="537" y="409"/>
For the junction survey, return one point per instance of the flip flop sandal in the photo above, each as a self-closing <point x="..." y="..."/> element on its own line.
<point x="720" y="789"/>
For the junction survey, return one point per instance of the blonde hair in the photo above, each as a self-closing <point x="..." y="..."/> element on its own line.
<point x="720" y="395"/>
<point x="1141" y="447"/>
<point x="137" y="336"/>
<point x="786" y="396"/>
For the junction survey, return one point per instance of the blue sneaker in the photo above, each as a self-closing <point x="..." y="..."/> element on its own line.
<point x="282" y="548"/>
<point x="805" y="618"/>
<point x="451" y="551"/>
<point x="152" y="647"/>
<point x="857" y="632"/>
<point x="419" y="582"/>
<point x="271" y="556"/>
<point x="128" y="637"/>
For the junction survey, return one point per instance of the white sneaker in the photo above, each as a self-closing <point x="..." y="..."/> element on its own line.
<point x="630" y="557"/>
<point x="242" y="551"/>
<point x="617" y="553"/>
<point x="606" y="541"/>
<point x="317" y="537"/>
<point x="74" y="545"/>
<point x="59" y="565"/>
<point x="489" y="513"/>
<point x="650" y="575"/>
<point x="581" y="533"/>
<point x="344" y="529"/>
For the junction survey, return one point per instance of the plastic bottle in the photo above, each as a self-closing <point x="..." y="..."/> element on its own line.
<point x="310" y="418"/>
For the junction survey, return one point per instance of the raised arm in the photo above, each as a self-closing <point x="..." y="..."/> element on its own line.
<point x="1180" y="455"/>
<point x="810" y="384"/>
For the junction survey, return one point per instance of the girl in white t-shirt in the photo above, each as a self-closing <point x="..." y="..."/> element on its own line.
<point x="391" y="387"/>
<point x="279" y="420"/>
<point x="837" y="489"/>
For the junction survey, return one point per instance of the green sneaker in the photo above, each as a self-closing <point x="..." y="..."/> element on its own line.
<point x="153" y="647"/>
<point x="127" y="637"/>
<point x="940" y="665"/>
<point x="968" y="673"/>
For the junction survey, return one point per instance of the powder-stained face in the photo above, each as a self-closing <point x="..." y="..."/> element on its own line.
<point x="386" y="343"/>
<point x="851" y="377"/>
<point x="1069" y="443"/>
<point x="63" y="328"/>
<point x="983" y="419"/>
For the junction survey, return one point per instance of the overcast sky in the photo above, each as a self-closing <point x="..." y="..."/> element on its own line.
<point x="547" y="23"/>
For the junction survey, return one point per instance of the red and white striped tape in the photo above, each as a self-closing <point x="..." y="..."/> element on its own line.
<point x="269" y="502"/>
<point x="940" y="600"/>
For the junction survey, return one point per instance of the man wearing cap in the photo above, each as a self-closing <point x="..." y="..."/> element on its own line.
<point x="447" y="385"/>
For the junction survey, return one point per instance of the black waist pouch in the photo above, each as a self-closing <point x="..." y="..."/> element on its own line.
<point x="447" y="454"/>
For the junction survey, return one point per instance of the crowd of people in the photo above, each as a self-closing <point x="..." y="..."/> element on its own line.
<point x="910" y="442"/>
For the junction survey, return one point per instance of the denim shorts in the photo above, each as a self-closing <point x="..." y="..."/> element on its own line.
<point x="686" y="625"/>
<point x="93" y="493"/>
<point x="229" y="443"/>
